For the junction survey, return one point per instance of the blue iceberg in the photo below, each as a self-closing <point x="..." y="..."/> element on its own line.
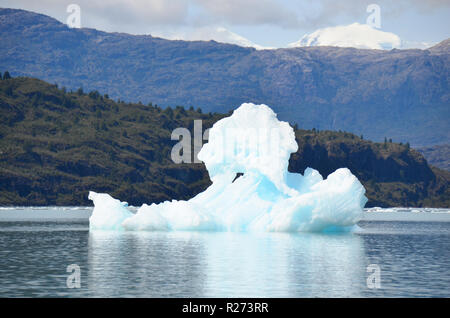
<point x="254" y="145"/>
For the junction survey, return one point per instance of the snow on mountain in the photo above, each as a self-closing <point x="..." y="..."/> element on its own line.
<point x="356" y="35"/>
<point x="218" y="34"/>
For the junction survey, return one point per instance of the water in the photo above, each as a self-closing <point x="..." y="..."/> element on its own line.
<point x="411" y="249"/>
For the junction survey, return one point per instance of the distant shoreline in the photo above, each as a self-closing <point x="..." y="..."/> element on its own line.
<point x="82" y="214"/>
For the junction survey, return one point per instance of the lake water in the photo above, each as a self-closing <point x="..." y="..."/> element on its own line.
<point x="411" y="247"/>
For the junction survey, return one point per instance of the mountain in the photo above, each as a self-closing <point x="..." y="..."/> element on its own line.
<point x="56" y="145"/>
<point x="399" y="94"/>
<point x="441" y="48"/>
<point x="438" y="155"/>
<point x="219" y="34"/>
<point x="353" y="35"/>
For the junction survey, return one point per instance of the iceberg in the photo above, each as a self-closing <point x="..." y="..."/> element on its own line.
<point x="247" y="157"/>
<point x="108" y="213"/>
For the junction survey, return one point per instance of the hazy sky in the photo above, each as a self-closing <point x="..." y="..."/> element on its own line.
<point x="273" y="23"/>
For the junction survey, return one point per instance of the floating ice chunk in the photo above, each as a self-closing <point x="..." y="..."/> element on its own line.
<point x="108" y="213"/>
<point x="266" y="197"/>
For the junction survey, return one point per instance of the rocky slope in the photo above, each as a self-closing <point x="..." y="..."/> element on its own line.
<point x="438" y="155"/>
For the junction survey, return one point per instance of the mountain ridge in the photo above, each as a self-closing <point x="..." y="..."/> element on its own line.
<point x="437" y="155"/>
<point x="399" y="94"/>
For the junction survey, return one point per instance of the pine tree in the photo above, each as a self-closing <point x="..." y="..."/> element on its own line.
<point x="6" y="75"/>
<point x="94" y="94"/>
<point x="169" y="112"/>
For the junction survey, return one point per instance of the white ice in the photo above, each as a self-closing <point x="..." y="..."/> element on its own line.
<point x="356" y="35"/>
<point x="266" y="197"/>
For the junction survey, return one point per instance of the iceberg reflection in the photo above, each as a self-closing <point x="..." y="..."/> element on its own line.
<point x="225" y="264"/>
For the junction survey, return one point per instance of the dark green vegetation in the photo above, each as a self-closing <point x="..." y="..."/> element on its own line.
<point x="438" y="155"/>
<point x="393" y="174"/>
<point x="400" y="94"/>
<point x="55" y="146"/>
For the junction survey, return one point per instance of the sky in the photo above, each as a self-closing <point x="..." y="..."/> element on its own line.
<point x="259" y="23"/>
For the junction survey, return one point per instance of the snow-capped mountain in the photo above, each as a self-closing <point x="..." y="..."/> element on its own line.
<point x="218" y="34"/>
<point x="356" y="35"/>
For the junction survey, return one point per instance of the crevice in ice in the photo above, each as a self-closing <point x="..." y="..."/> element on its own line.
<point x="239" y="174"/>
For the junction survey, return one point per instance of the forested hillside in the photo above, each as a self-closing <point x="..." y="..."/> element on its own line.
<point x="56" y="145"/>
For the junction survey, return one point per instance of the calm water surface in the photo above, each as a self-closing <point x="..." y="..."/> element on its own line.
<point x="414" y="258"/>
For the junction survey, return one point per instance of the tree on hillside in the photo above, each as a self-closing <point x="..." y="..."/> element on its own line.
<point x="6" y="75"/>
<point x="169" y="112"/>
<point x="94" y="94"/>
